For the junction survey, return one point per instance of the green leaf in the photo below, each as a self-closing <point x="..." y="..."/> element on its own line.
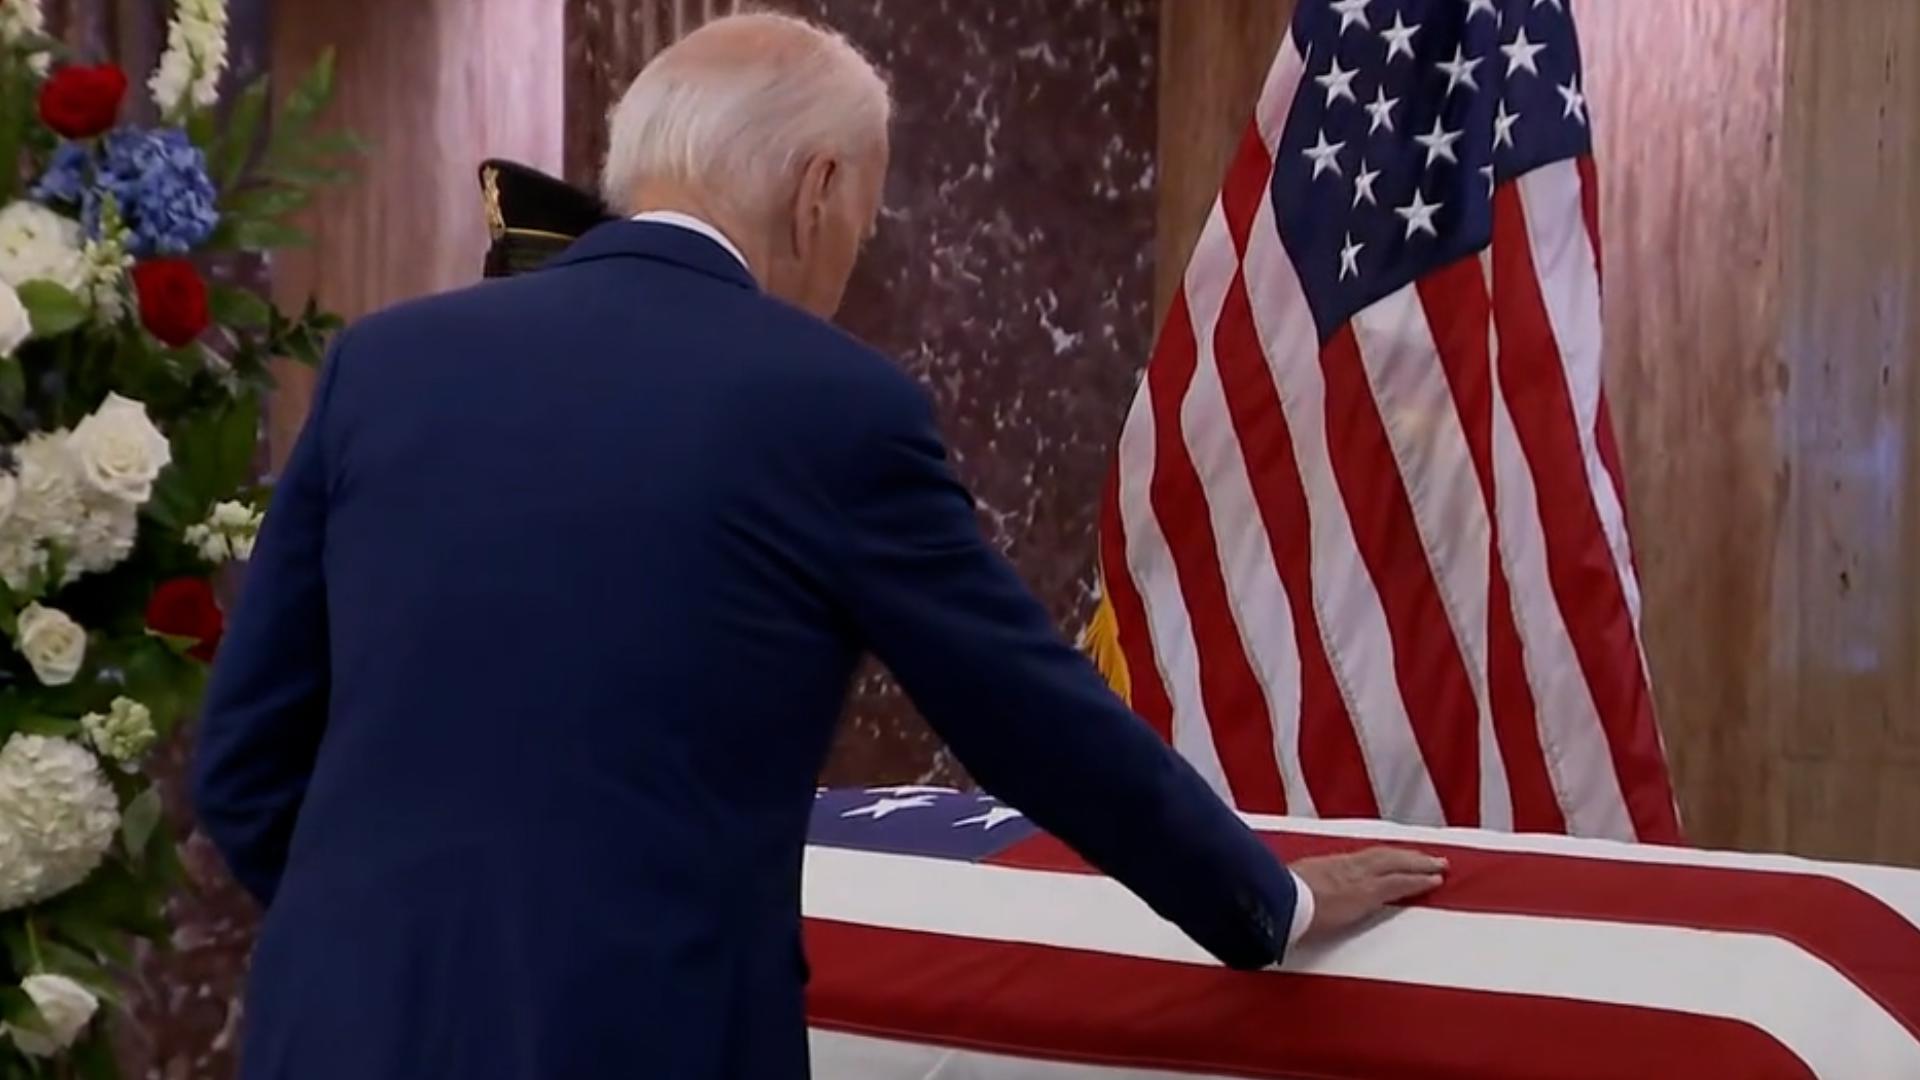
<point x="212" y="457"/>
<point x="92" y="1058"/>
<point x="13" y="386"/>
<point x="112" y="946"/>
<point x="308" y="97"/>
<point x="139" y="819"/>
<point x="268" y="201"/>
<point x="53" y="309"/>
<point x="229" y="160"/>
<point x="19" y="1010"/>
<point x="239" y="308"/>
<point x="310" y="175"/>
<point x="202" y="131"/>
<point x="255" y="235"/>
<point x="53" y="726"/>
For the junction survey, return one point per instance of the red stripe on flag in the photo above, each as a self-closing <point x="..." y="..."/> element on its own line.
<point x="1248" y="178"/>
<point x="1580" y="565"/>
<point x="1459" y="314"/>
<point x="1862" y="938"/>
<point x="1235" y="704"/>
<point x="1096" y="1008"/>
<point x="1148" y="693"/>
<point x="1331" y="761"/>
<point x="1426" y="656"/>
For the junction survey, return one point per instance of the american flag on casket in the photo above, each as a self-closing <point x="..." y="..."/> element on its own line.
<point x="950" y="939"/>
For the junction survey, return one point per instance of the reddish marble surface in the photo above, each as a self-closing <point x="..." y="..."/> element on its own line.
<point x="1012" y="270"/>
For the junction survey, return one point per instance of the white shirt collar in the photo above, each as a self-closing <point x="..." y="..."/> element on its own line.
<point x="694" y="224"/>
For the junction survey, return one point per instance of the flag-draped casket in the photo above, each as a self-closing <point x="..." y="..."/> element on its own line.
<point x="950" y="939"/>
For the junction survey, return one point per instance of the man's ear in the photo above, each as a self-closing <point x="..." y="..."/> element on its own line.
<point x="819" y="185"/>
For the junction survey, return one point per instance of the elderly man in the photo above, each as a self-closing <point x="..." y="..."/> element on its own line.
<point x="516" y="728"/>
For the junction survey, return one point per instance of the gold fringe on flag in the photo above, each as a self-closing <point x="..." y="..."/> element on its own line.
<point x="1101" y="642"/>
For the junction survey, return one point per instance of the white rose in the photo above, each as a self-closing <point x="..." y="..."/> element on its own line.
<point x="118" y="451"/>
<point x="15" y="325"/>
<point x="66" y="1008"/>
<point x="52" y="642"/>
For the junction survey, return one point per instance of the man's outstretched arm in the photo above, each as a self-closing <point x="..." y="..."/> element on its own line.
<point x="1034" y="722"/>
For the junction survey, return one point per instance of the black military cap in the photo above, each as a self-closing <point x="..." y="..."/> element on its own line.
<point x="532" y="216"/>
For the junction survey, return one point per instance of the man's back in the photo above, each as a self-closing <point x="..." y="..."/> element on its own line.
<point x="585" y="655"/>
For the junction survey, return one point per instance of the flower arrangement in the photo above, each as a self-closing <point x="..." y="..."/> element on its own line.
<point x="130" y="393"/>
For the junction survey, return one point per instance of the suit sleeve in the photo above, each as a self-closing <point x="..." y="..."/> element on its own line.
<point x="266" y="706"/>
<point x="1030" y="717"/>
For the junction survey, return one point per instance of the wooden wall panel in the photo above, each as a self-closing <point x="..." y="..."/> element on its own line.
<point x="435" y="85"/>
<point x="1848" y="722"/>
<point x="1687" y="111"/>
<point x="1760" y="163"/>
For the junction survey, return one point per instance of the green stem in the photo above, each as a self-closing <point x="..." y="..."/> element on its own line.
<point x="33" y="947"/>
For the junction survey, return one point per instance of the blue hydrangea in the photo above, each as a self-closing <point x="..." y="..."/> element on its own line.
<point x="158" y="179"/>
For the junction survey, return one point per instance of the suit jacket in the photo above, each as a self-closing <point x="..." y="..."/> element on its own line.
<point x="516" y="726"/>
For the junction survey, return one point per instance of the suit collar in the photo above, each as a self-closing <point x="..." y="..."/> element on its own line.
<point x="660" y="243"/>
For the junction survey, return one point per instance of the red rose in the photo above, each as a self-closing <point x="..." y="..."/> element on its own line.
<point x="185" y="608"/>
<point x="81" y="102"/>
<point x="173" y="300"/>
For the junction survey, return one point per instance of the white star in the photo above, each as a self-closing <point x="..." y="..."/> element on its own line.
<point x="1363" y="185"/>
<point x="1325" y="156"/>
<point x="1439" y="143"/>
<point x="1350" y="259"/>
<point x="1400" y="37"/>
<point x="1503" y="122"/>
<point x="1520" y="54"/>
<point x="1554" y="4"/>
<point x="1475" y="7"/>
<point x="994" y="815"/>
<point x="911" y="789"/>
<point x="1460" y="69"/>
<point x="1338" y="82"/>
<point x="1418" y="215"/>
<point x="1486" y="172"/>
<point x="1352" y="13"/>
<point x="1576" y="101"/>
<point x="884" y="807"/>
<point x="1381" y="109"/>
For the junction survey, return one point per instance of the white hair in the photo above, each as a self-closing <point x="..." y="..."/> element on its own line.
<point x="739" y="106"/>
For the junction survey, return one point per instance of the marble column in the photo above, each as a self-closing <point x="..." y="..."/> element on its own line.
<point x="1013" y="267"/>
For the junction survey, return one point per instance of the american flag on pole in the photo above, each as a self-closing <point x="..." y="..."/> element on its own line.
<point x="1364" y="548"/>
<point x="948" y="938"/>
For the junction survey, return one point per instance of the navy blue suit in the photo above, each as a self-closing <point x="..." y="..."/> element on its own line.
<point x="516" y="726"/>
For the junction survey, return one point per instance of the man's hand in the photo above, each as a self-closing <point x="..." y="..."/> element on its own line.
<point x="1349" y="888"/>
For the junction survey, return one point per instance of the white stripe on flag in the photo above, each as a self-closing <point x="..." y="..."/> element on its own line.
<point x="1154" y="578"/>
<point x="1265" y="626"/>
<point x="1570" y="285"/>
<point x="1737" y="976"/>
<point x="1409" y="385"/>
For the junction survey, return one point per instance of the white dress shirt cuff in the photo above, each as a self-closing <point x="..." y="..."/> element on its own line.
<point x="1302" y="910"/>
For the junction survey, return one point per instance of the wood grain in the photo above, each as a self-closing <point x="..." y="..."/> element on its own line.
<point x="1214" y="56"/>
<point x="436" y="86"/>
<point x="1760" y="165"/>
